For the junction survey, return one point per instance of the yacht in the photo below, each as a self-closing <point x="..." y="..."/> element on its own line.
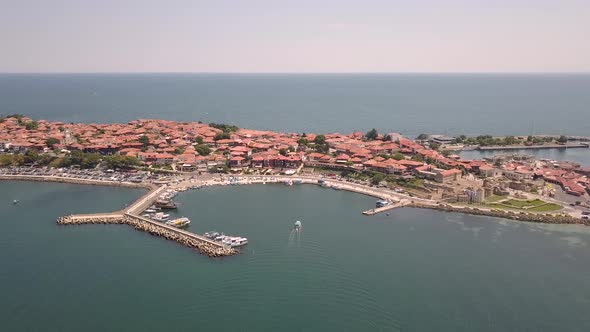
<point x="297" y="225"/>
<point x="179" y="222"/>
<point x="211" y="235"/>
<point x="235" y="241"/>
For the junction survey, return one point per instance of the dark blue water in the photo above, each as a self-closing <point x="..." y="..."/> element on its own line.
<point x="410" y="104"/>
<point x="415" y="270"/>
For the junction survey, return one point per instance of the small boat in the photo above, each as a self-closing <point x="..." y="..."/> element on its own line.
<point x="150" y="211"/>
<point x="160" y="216"/>
<point x="234" y="241"/>
<point x="166" y="204"/>
<point x="382" y="203"/>
<point x="15" y="201"/>
<point x="297" y="225"/>
<point x="179" y="222"/>
<point x="211" y="235"/>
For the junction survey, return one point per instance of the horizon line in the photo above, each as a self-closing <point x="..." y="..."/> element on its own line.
<point x="298" y="73"/>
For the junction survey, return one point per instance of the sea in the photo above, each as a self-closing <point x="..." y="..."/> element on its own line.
<point x="412" y="270"/>
<point x="411" y="104"/>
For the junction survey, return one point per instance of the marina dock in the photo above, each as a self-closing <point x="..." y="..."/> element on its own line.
<point x="130" y="216"/>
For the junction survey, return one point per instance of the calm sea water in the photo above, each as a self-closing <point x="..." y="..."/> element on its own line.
<point x="415" y="270"/>
<point x="410" y="104"/>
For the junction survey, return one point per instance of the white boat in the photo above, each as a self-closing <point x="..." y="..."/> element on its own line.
<point x="235" y="241"/>
<point x="297" y="225"/>
<point x="382" y="203"/>
<point x="150" y="211"/>
<point x="160" y="216"/>
<point x="179" y="222"/>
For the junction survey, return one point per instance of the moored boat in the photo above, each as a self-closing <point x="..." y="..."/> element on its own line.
<point x="382" y="203"/>
<point x="179" y="222"/>
<point x="160" y="216"/>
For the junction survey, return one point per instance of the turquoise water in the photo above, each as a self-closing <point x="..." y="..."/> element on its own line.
<point x="473" y="104"/>
<point x="579" y="155"/>
<point x="415" y="270"/>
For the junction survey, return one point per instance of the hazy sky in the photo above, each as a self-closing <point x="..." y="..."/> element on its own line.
<point x="295" y="36"/>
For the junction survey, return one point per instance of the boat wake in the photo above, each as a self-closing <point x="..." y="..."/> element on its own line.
<point x="295" y="237"/>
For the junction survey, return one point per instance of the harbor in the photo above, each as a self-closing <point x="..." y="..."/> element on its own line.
<point x="147" y="212"/>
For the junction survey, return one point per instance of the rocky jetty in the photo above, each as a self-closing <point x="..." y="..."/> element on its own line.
<point x="203" y="247"/>
<point x="521" y="216"/>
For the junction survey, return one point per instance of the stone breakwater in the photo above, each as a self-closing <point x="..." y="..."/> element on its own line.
<point x="207" y="249"/>
<point x="521" y="216"/>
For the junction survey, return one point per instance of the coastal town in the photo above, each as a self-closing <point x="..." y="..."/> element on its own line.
<point x="400" y="171"/>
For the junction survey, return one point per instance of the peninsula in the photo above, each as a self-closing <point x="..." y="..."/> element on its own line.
<point x="167" y="155"/>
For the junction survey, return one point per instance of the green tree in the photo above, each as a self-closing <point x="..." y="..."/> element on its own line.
<point x="143" y="139"/>
<point x="302" y="141"/>
<point x="45" y="159"/>
<point x="199" y="140"/>
<point x="31" y="125"/>
<point x="322" y="148"/>
<point x="372" y="134"/>
<point x="283" y="152"/>
<point x="224" y="127"/>
<point x="178" y="151"/>
<point x="398" y="156"/>
<point x="378" y="177"/>
<point x="320" y="139"/>
<point x="31" y="156"/>
<point x="422" y="136"/>
<point x="6" y="160"/>
<point x="220" y="136"/>
<point x="203" y="150"/>
<point x="418" y="157"/>
<point x="51" y="141"/>
<point x="562" y="139"/>
<point x="121" y="162"/>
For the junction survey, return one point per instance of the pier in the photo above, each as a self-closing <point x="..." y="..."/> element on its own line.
<point x="130" y="216"/>
<point x="535" y="147"/>
<point x="385" y="208"/>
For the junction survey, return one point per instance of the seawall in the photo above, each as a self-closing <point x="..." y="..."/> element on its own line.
<point x="204" y="246"/>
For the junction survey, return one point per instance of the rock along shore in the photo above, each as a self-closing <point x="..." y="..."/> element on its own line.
<point x="521" y="216"/>
<point x="202" y="247"/>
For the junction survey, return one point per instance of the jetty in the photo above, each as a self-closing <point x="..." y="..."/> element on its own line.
<point x="386" y="208"/>
<point x="130" y="216"/>
<point x="535" y="147"/>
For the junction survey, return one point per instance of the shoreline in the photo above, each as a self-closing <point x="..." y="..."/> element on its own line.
<point x="58" y="179"/>
<point x="408" y="201"/>
<point x="414" y="202"/>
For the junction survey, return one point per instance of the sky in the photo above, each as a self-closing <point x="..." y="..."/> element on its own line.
<point x="299" y="36"/>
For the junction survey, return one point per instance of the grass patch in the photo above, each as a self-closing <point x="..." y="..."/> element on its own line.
<point x="546" y="207"/>
<point x="535" y="205"/>
<point x="521" y="204"/>
<point x="494" y="198"/>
